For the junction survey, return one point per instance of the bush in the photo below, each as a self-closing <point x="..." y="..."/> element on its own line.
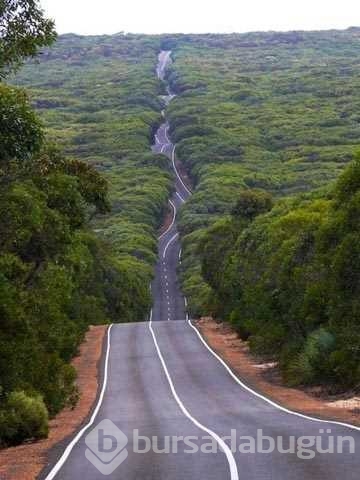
<point x="311" y="365"/>
<point x="23" y="417"/>
<point x="252" y="203"/>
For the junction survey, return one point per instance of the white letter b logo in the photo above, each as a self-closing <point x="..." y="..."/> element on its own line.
<point x="106" y="447"/>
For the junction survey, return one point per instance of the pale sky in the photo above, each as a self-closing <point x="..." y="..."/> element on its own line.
<point x="199" y="16"/>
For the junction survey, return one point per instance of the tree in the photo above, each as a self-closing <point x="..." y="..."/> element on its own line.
<point x="20" y="129"/>
<point x="252" y="203"/>
<point x="349" y="181"/>
<point x="23" y="30"/>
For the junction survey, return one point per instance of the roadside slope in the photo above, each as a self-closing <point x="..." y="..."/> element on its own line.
<point x="27" y="461"/>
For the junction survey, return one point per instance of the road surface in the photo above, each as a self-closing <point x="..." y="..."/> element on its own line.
<point x="163" y="380"/>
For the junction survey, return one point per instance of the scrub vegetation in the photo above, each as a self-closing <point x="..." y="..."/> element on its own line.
<point x="81" y="200"/>
<point x="98" y="98"/>
<point x="265" y="123"/>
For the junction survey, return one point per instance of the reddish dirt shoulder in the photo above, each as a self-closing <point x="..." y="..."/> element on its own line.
<point x="26" y="461"/>
<point x="183" y="174"/>
<point x="265" y="379"/>
<point x="167" y="220"/>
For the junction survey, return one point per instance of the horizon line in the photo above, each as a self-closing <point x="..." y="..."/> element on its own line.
<point x="247" y="32"/>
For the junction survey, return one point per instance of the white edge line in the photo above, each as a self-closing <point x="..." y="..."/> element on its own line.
<point x="166" y="134"/>
<point x="74" y="441"/>
<point x="230" y="458"/>
<point x="168" y="244"/>
<point x="185" y="301"/>
<point x="181" y="198"/>
<point x="262" y="397"/>
<point x="177" y="173"/>
<point x="180" y="253"/>
<point x="172" y="222"/>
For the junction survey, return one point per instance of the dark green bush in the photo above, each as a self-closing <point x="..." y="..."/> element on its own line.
<point x="22" y="417"/>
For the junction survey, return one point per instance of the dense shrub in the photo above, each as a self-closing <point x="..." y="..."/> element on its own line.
<point x="289" y="282"/>
<point x="22" y="417"/>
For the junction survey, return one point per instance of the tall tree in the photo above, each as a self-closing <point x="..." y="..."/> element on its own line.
<point x="23" y="30"/>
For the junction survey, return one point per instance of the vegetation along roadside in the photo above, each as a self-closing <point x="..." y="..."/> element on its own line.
<point x="81" y="201"/>
<point x="265" y="123"/>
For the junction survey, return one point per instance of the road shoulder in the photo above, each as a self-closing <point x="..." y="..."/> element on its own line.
<point x="264" y="378"/>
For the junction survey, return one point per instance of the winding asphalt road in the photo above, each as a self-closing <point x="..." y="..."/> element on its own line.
<point x="161" y="379"/>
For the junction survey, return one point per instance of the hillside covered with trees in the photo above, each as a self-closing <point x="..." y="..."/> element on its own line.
<point x="266" y="122"/>
<point x="267" y="125"/>
<point x="81" y="201"/>
<point x="98" y="98"/>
